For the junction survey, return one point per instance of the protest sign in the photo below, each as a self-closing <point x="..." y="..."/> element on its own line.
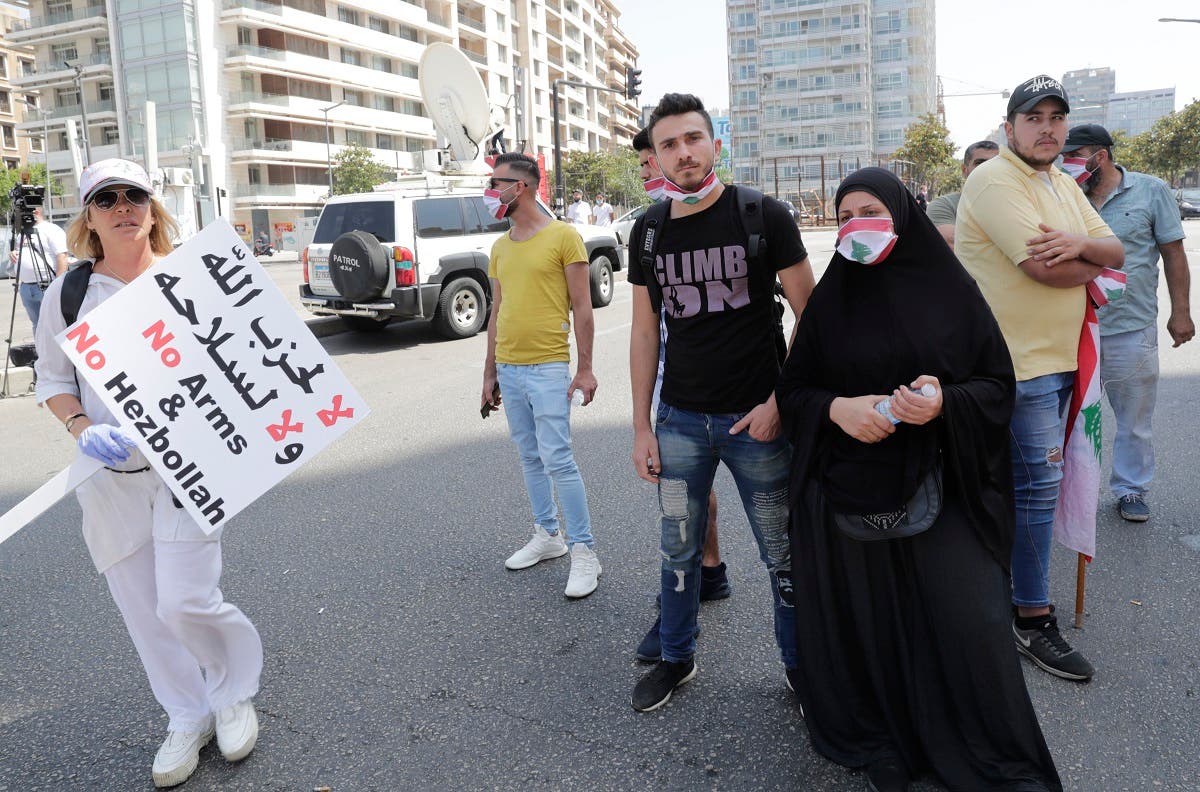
<point x="224" y="387"/>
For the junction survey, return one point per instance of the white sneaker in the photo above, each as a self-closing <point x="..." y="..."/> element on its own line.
<point x="585" y="571"/>
<point x="539" y="548"/>
<point x="178" y="756"/>
<point x="237" y="730"/>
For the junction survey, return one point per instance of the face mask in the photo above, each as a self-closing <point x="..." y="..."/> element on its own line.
<point x="1076" y="168"/>
<point x="867" y="240"/>
<point x="677" y="193"/>
<point x="496" y="207"/>
<point x="655" y="188"/>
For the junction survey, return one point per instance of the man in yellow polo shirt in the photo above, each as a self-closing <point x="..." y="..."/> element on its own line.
<point x="1031" y="240"/>
<point x="539" y="273"/>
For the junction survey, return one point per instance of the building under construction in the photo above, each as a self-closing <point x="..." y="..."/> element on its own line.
<point x="818" y="89"/>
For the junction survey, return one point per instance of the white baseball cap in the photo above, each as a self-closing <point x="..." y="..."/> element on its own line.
<point x="111" y="173"/>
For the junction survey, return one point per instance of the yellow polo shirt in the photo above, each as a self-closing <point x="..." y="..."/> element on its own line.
<point x="1002" y="203"/>
<point x="534" y="320"/>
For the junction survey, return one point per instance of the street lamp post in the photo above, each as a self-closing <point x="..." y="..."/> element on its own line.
<point x="87" y="142"/>
<point x="328" y="155"/>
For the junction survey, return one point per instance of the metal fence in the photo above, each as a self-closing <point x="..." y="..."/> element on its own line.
<point x="809" y="183"/>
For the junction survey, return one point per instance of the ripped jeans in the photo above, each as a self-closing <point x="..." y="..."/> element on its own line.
<point x="690" y="446"/>
<point x="1038" y="437"/>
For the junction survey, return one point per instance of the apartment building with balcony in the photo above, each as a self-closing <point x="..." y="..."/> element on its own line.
<point x="16" y="149"/>
<point x="837" y="80"/>
<point x="245" y="92"/>
<point x="1095" y="100"/>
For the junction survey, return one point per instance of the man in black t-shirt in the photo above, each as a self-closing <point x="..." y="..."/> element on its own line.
<point x="718" y="402"/>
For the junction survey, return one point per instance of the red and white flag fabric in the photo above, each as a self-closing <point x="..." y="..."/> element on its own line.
<point x="1075" y="517"/>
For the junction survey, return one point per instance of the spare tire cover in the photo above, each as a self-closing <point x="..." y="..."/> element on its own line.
<point x="358" y="266"/>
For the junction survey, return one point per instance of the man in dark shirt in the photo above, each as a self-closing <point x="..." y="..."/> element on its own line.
<point x="718" y="401"/>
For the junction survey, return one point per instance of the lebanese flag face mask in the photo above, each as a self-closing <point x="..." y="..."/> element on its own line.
<point x="1077" y="169"/>
<point x="867" y="240"/>
<point x="655" y="188"/>
<point x="677" y="193"/>
<point x="495" y="206"/>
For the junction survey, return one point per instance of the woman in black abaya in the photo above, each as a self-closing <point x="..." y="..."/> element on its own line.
<point x="906" y="652"/>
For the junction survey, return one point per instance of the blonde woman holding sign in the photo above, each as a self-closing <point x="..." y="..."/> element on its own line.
<point x="201" y="654"/>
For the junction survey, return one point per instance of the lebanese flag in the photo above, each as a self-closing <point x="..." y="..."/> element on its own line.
<point x="1075" y="516"/>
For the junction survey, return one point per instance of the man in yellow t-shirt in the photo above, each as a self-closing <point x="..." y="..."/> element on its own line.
<point x="539" y="273"/>
<point x="1031" y="240"/>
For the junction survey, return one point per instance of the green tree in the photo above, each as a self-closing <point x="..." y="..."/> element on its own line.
<point x="614" y="174"/>
<point x="356" y="171"/>
<point x="1175" y="143"/>
<point x="1132" y="151"/>
<point x="927" y="145"/>
<point x="12" y="177"/>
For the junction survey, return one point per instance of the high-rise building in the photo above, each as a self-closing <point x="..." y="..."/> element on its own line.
<point x="1089" y="91"/>
<point x="16" y="148"/>
<point x="834" y="79"/>
<point x="1135" y="112"/>
<point x="245" y="92"/>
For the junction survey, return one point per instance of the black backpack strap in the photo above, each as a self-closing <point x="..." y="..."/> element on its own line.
<point x="74" y="287"/>
<point x="750" y="210"/>
<point x="651" y="228"/>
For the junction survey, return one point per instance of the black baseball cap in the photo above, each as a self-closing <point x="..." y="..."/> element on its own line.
<point x="1087" y="135"/>
<point x="1026" y="95"/>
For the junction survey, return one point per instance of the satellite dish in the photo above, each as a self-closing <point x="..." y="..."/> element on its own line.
<point x="455" y="99"/>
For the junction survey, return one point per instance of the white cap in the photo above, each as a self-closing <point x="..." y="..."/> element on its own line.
<point x="111" y="173"/>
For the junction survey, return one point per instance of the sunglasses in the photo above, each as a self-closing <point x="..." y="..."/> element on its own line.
<point x="496" y="180"/>
<point x="105" y="200"/>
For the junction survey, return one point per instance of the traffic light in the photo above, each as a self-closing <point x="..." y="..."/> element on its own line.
<point x="633" y="82"/>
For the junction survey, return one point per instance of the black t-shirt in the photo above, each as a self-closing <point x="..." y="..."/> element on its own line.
<point x="720" y="313"/>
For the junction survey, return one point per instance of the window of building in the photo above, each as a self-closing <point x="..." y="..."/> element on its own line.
<point x="4" y="66"/>
<point x="5" y="102"/>
<point x="499" y="21"/>
<point x="385" y="102"/>
<point x="502" y="53"/>
<point x="58" y="9"/>
<point x="347" y="15"/>
<point x="245" y="35"/>
<point x="407" y="33"/>
<point x="101" y="46"/>
<point x="35" y="142"/>
<point x="356" y="137"/>
<point x="67" y="97"/>
<point x="353" y="97"/>
<point x="381" y="63"/>
<point x="254" y="174"/>
<point x="62" y="141"/>
<point x="503" y="85"/>
<point x="378" y="24"/>
<point x="27" y="68"/>
<point x="105" y="89"/>
<point x="10" y="136"/>
<point x="352" y="57"/>
<point x="384" y="141"/>
<point x="109" y="135"/>
<point x="63" y="52"/>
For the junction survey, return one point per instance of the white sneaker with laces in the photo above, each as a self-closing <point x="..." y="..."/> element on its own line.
<point x="585" y="571"/>
<point x="178" y="756"/>
<point x="237" y="730"/>
<point x="541" y="547"/>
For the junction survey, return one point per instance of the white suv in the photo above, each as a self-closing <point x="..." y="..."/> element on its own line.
<point x="419" y="253"/>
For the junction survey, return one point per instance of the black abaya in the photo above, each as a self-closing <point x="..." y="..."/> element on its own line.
<point x="905" y="645"/>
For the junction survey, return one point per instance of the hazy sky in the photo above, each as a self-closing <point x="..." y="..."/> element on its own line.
<point x="682" y="47"/>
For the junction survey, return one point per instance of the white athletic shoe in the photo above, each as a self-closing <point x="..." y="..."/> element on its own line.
<point x="541" y="547"/>
<point x="585" y="571"/>
<point x="178" y="756"/>
<point x="237" y="730"/>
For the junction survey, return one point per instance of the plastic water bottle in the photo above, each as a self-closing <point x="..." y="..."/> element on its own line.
<point x="577" y="398"/>
<point x="884" y="407"/>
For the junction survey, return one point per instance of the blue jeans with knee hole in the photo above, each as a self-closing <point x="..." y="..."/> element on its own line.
<point x="539" y="421"/>
<point x="1129" y="373"/>
<point x="1038" y="437"/>
<point x="690" y="445"/>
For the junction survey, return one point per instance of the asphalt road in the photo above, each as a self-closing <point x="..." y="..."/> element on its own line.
<point x="400" y="654"/>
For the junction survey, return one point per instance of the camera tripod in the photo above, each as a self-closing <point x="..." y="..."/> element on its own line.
<point x="28" y="241"/>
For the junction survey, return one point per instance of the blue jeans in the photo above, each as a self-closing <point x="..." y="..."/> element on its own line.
<point x="539" y="421"/>
<point x="1129" y="373"/>
<point x="690" y="445"/>
<point x="31" y="298"/>
<point x="1038" y="434"/>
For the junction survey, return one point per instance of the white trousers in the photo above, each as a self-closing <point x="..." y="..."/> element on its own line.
<point x="200" y="653"/>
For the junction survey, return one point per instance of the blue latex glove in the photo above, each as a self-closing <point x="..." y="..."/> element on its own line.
<point x="106" y="443"/>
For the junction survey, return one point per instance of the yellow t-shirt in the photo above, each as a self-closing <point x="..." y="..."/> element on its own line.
<point x="1001" y="206"/>
<point x="534" y="320"/>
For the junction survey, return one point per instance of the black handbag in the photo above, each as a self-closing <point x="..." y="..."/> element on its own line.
<point x="910" y="519"/>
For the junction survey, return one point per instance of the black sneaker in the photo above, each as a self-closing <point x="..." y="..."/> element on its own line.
<point x="1132" y="508"/>
<point x="887" y="775"/>
<point x="650" y="649"/>
<point x="714" y="583"/>
<point x="655" y="688"/>
<point x="1045" y="646"/>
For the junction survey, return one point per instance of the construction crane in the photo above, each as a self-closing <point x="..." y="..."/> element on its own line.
<point x="941" y="98"/>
